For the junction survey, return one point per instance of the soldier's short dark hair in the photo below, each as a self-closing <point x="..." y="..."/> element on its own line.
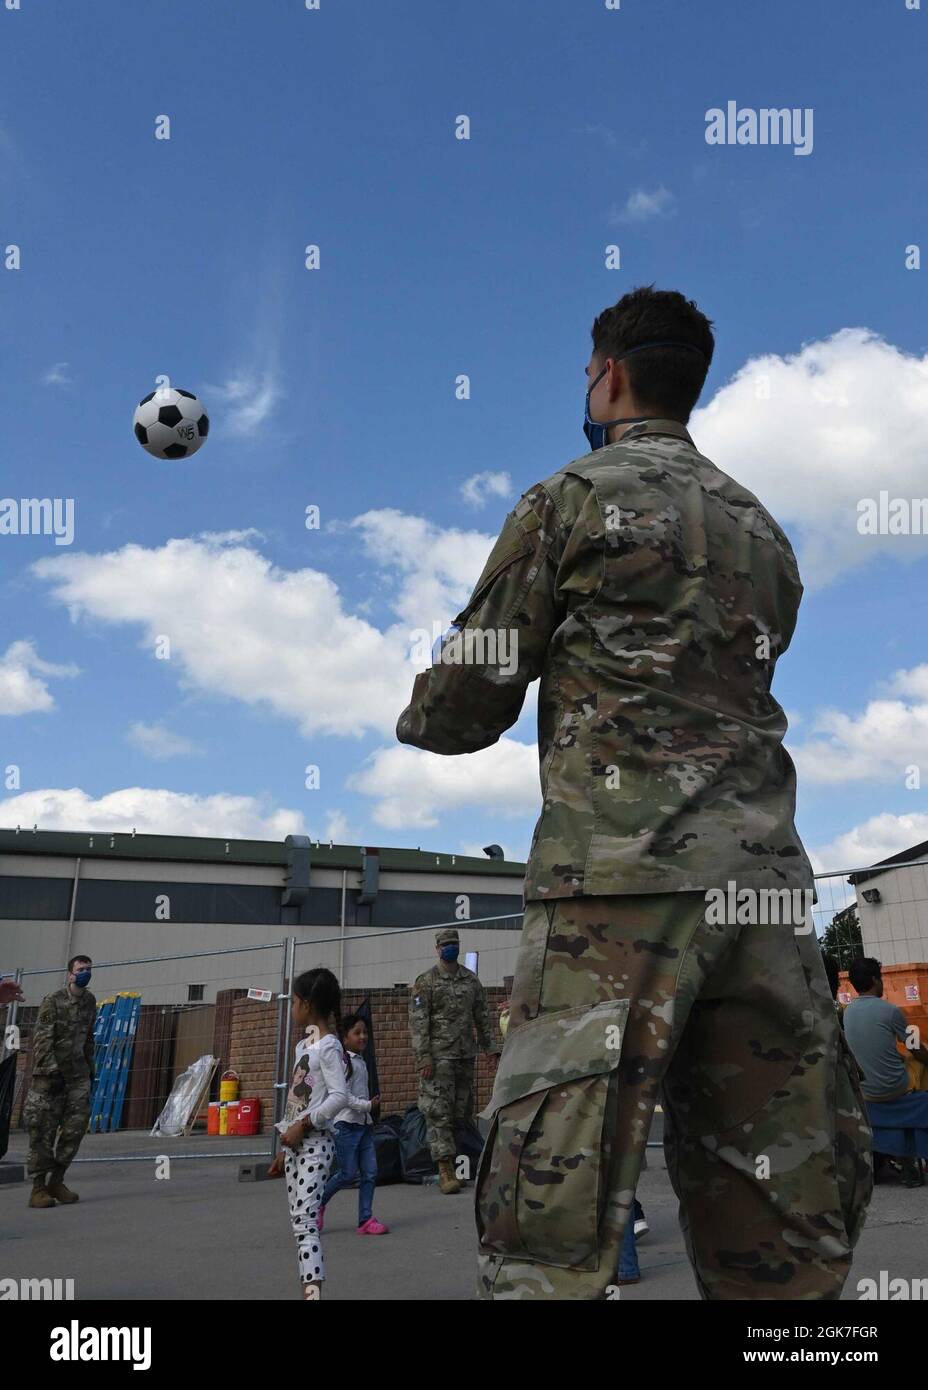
<point x="864" y="972"/>
<point x="665" y="380"/>
<point x="74" y="959"/>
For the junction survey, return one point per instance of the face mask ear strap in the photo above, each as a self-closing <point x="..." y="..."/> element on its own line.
<point x="596" y="431"/>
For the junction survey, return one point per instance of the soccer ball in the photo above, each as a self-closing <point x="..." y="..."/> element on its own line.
<point x="170" y="424"/>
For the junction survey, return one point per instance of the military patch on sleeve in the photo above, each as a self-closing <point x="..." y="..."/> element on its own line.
<point x="418" y="1002"/>
<point x="526" y="515"/>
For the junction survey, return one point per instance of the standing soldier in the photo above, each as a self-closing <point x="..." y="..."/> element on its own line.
<point x="653" y="595"/>
<point x="58" y="1104"/>
<point x="447" y="1004"/>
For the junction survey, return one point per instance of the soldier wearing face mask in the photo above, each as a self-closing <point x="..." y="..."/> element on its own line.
<point x="652" y="595"/>
<point x="57" y="1109"/>
<point x="447" y="1006"/>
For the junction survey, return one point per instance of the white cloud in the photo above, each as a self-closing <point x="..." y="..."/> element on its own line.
<point x="250" y="400"/>
<point x="890" y="736"/>
<point x="814" y="433"/>
<point x="911" y="682"/>
<point x="240" y="627"/>
<point x="877" y="838"/>
<point x="480" y="486"/>
<point x="57" y="375"/>
<point x="22" y="689"/>
<point x="152" y="811"/>
<point x="412" y="788"/>
<point x="159" y="742"/>
<point x="336" y="828"/>
<point x="436" y="569"/>
<point x="641" y="205"/>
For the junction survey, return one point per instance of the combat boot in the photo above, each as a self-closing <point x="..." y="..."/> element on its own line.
<point x="39" y="1196"/>
<point x="446" y="1179"/>
<point x="55" y="1188"/>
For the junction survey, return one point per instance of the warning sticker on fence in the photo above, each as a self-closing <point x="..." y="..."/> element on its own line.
<point x="263" y="994"/>
<point x="911" y="994"/>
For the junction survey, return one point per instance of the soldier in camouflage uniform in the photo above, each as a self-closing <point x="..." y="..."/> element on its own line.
<point x="652" y="595"/>
<point x="57" y="1108"/>
<point x="447" y="1004"/>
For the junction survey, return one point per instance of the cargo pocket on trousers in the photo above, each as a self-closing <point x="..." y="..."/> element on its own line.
<point x="853" y="1161"/>
<point x="540" y="1190"/>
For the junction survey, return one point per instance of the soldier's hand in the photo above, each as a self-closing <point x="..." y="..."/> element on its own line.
<point x="427" y="1072"/>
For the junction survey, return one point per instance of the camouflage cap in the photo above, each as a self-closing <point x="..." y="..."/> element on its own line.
<point x="447" y="935"/>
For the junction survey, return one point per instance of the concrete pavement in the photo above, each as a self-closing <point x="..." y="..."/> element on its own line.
<point x="202" y="1234"/>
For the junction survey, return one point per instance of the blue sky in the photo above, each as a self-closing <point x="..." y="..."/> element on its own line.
<point x="336" y="387"/>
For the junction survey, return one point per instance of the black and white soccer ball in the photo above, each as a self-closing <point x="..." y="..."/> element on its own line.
<point x="171" y="424"/>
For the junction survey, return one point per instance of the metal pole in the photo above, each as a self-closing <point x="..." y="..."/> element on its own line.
<point x="200" y="1153"/>
<point x="77" y="875"/>
<point x="284" y="1018"/>
<point x="156" y="960"/>
<point x="341" y="944"/>
<point x="12" y="1011"/>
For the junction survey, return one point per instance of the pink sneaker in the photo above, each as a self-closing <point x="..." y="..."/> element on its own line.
<point x="320" y="1219"/>
<point x="373" y="1227"/>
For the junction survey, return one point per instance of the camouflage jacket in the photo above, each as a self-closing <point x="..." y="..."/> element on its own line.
<point x="62" y="1043"/>
<point x="652" y="595"/>
<point x="444" y="1009"/>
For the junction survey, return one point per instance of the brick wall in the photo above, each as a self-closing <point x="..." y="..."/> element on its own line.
<point x="252" y="1046"/>
<point x="246" y="1039"/>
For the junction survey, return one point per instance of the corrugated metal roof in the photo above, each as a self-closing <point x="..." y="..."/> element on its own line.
<point x="203" y="850"/>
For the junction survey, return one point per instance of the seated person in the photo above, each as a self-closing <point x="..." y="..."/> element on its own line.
<point x="872" y="1027"/>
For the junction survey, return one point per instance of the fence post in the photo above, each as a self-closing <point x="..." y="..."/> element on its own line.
<point x="12" y="1013"/>
<point x="284" y="1015"/>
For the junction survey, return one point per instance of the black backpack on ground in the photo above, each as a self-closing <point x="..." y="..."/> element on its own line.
<point x="415" y="1158"/>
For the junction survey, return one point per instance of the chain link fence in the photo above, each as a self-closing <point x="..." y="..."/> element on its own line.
<point x="197" y="1003"/>
<point x="235" y="1004"/>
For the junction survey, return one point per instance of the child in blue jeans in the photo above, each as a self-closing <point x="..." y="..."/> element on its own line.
<point x="354" y="1132"/>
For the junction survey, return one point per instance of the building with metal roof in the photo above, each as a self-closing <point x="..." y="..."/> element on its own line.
<point x="182" y="917"/>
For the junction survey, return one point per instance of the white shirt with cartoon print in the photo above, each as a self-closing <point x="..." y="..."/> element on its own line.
<point x="318" y="1089"/>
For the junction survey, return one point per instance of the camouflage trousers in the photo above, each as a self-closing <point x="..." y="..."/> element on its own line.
<point x="55" y="1111"/>
<point x="447" y="1103"/>
<point x="766" y="1135"/>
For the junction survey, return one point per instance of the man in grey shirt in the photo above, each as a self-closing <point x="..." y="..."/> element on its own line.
<point x="871" y="1026"/>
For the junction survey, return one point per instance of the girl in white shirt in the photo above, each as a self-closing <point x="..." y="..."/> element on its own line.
<point x="354" y="1133"/>
<point x="318" y="1091"/>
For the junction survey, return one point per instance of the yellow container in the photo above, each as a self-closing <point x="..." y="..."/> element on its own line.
<point x="228" y="1085"/>
<point x="223" y="1117"/>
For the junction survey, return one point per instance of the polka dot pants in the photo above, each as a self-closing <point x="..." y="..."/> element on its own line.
<point x="306" y="1171"/>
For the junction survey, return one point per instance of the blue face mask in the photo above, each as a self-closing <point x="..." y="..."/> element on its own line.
<point x="596" y="431"/>
<point x="82" y="978"/>
<point x="450" y="953"/>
